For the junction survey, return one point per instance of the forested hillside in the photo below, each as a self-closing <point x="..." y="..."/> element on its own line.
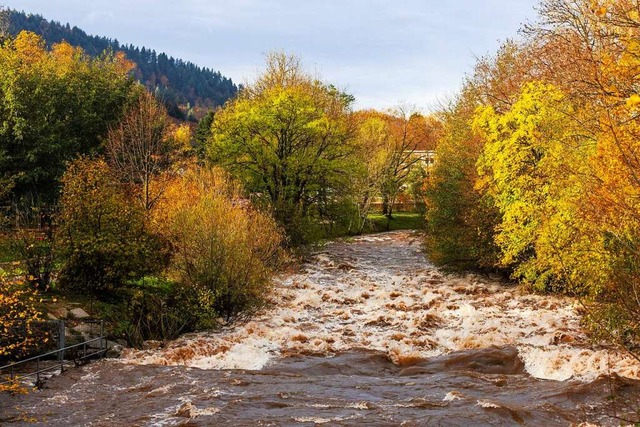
<point x="175" y="81"/>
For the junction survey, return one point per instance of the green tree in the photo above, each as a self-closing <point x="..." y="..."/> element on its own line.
<point x="203" y="134"/>
<point x="460" y="220"/>
<point x="288" y="138"/>
<point x="416" y="186"/>
<point x="371" y="153"/>
<point x="4" y="23"/>
<point x="54" y="105"/>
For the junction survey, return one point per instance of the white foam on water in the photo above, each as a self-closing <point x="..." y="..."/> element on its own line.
<point x="58" y="398"/>
<point x="207" y="411"/>
<point x="315" y="420"/>
<point x="160" y="390"/>
<point x="380" y="293"/>
<point x="360" y="405"/>
<point x="252" y="355"/>
<point x="565" y="363"/>
<point x="486" y="404"/>
<point x="452" y="395"/>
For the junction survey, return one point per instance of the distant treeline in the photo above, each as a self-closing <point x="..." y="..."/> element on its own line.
<point x="175" y="81"/>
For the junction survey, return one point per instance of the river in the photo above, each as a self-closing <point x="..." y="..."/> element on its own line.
<point x="367" y="332"/>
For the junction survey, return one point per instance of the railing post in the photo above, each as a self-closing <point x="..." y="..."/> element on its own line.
<point x="61" y="339"/>
<point x="103" y="347"/>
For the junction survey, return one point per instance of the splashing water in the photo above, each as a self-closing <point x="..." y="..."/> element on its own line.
<point x="369" y="332"/>
<point x="380" y="293"/>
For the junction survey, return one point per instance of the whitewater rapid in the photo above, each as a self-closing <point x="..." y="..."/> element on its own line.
<point x="380" y="293"/>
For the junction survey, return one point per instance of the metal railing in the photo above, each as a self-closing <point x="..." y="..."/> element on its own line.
<point x="81" y="352"/>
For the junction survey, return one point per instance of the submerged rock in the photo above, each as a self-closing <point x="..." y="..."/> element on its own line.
<point x="114" y="350"/>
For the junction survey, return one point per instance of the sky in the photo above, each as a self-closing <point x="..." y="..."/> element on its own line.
<point x="384" y="52"/>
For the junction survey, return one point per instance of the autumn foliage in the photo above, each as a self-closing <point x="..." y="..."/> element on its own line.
<point x="223" y="249"/>
<point x="537" y="172"/>
<point x="20" y="319"/>
<point x="553" y="122"/>
<point x="102" y="237"/>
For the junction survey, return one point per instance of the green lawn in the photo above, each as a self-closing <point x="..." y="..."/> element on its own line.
<point x="400" y="221"/>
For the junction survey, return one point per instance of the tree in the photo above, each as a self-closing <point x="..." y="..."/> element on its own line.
<point x="180" y="81"/>
<point x="288" y="138"/>
<point x="19" y="320"/>
<point x="140" y="147"/>
<point x="371" y="152"/>
<point x="4" y="24"/>
<point x="460" y="220"/>
<point x="386" y="162"/>
<point x="101" y="236"/>
<point x="589" y="49"/>
<point x="203" y="134"/>
<point x="533" y="166"/>
<point x="408" y="132"/>
<point x="54" y="105"/>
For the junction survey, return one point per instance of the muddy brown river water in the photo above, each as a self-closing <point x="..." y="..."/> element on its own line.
<point x="368" y="333"/>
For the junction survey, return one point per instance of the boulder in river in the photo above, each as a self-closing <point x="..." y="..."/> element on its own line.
<point x="113" y="349"/>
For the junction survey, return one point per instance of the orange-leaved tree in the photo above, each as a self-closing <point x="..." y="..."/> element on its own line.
<point x="142" y="147"/>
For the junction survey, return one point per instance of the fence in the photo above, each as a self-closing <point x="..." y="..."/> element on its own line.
<point x="54" y="360"/>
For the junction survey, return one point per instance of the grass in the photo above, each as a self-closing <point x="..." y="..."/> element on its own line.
<point x="6" y="251"/>
<point x="400" y="221"/>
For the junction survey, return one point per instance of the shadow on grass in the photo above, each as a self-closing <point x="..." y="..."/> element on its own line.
<point x="400" y="221"/>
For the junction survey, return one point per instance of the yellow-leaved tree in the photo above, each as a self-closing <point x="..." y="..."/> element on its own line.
<point x="534" y="166"/>
<point x="21" y="320"/>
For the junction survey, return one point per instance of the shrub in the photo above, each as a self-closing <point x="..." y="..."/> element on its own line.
<point x="35" y="252"/>
<point x="20" y="320"/>
<point x="224" y="249"/>
<point x="101" y="236"/>
<point x="153" y="308"/>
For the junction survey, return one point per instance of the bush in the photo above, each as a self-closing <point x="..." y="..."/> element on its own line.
<point x="224" y="250"/>
<point x="154" y="308"/>
<point x="102" y="238"/>
<point x="20" y="320"/>
<point x="35" y="252"/>
<point x="614" y="314"/>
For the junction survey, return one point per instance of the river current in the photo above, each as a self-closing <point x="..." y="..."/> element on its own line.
<point x="368" y="332"/>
